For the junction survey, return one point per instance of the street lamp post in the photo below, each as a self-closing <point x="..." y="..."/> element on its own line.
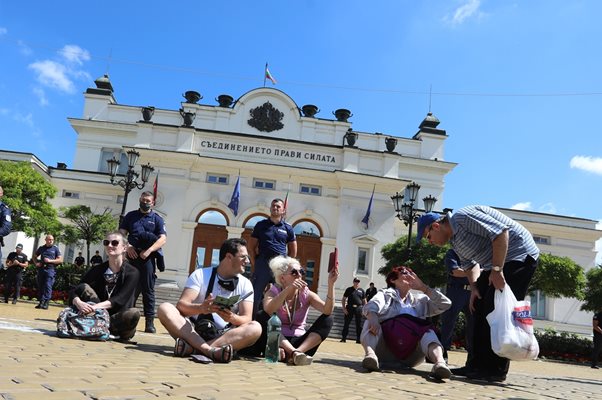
<point x="129" y="181"/>
<point x="406" y="210"/>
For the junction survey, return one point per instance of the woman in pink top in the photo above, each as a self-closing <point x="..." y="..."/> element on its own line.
<point x="290" y="298"/>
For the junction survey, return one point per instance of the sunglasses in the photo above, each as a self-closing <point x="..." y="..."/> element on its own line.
<point x="428" y="232"/>
<point x="297" y="272"/>
<point x="113" y="243"/>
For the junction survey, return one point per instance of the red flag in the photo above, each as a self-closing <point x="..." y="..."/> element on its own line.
<point x="156" y="186"/>
<point x="286" y="202"/>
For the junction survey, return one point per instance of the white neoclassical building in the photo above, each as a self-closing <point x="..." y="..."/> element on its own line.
<point x="276" y="149"/>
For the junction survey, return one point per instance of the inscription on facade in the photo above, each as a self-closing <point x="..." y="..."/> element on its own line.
<point x="266" y="118"/>
<point x="269" y="151"/>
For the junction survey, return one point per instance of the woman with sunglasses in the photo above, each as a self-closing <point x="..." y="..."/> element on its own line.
<point x="112" y="286"/>
<point x="396" y="328"/>
<point x="290" y="298"/>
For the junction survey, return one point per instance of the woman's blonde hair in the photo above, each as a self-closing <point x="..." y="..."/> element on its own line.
<point x="280" y="265"/>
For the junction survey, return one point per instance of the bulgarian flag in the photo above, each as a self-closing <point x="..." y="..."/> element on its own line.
<point x="268" y="75"/>
<point x="286" y="203"/>
<point x="156" y="186"/>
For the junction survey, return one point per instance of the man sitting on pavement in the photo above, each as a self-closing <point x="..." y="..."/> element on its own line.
<point x="201" y="326"/>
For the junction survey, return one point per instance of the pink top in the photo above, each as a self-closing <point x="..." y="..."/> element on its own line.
<point x="293" y="318"/>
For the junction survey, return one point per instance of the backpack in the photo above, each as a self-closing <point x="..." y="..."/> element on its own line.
<point x="402" y="334"/>
<point x="71" y="324"/>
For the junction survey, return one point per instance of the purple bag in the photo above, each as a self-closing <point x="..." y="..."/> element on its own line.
<point x="402" y="334"/>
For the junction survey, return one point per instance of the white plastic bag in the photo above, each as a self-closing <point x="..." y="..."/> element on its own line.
<point x="511" y="326"/>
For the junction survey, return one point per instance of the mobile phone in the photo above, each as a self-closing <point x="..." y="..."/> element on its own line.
<point x="333" y="261"/>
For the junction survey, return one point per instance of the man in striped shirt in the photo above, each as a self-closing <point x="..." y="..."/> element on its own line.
<point x="508" y="255"/>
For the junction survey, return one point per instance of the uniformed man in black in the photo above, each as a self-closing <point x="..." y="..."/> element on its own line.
<point x="96" y="259"/>
<point x="371" y="291"/>
<point x="5" y="221"/>
<point x="49" y="258"/>
<point x="79" y="260"/>
<point x="353" y="300"/>
<point x="16" y="262"/>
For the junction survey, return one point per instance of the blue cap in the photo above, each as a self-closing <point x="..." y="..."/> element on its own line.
<point x="424" y="221"/>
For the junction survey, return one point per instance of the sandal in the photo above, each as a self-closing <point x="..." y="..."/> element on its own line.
<point x="182" y="348"/>
<point x="224" y="357"/>
<point x="300" y="358"/>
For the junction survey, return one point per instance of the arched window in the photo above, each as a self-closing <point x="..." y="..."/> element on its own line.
<point x="252" y="221"/>
<point x="307" y="228"/>
<point x="213" y="217"/>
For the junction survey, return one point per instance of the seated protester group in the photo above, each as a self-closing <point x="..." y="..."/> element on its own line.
<point x="396" y="328"/>
<point x="202" y="326"/>
<point x="110" y="285"/>
<point x="290" y="299"/>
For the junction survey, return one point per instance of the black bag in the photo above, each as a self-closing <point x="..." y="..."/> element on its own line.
<point x="205" y="327"/>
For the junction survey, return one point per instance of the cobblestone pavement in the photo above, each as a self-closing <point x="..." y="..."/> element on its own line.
<point x="35" y="364"/>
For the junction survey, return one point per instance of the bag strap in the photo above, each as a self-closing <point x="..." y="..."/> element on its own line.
<point x="211" y="282"/>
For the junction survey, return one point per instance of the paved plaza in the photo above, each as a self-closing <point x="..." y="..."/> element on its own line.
<point x="35" y="364"/>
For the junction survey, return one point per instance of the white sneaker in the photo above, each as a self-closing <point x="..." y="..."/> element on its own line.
<point x="440" y="371"/>
<point x="300" y="358"/>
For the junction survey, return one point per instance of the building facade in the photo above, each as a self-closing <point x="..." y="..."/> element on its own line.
<point x="276" y="149"/>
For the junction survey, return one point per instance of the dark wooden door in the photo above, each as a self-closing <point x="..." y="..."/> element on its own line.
<point x="309" y="249"/>
<point x="206" y="244"/>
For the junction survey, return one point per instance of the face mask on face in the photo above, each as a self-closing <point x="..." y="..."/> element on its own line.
<point x="145" y="206"/>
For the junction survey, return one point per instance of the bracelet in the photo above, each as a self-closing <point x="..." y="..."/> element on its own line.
<point x="328" y="297"/>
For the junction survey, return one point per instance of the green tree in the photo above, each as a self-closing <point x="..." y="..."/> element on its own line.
<point x="27" y="194"/>
<point x="592" y="298"/>
<point x="558" y="277"/>
<point x="86" y="226"/>
<point x="426" y="260"/>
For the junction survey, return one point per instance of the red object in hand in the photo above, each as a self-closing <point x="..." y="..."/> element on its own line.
<point x="333" y="262"/>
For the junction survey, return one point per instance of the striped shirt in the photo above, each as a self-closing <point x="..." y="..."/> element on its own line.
<point x="475" y="227"/>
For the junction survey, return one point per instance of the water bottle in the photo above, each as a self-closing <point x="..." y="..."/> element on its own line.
<point x="272" y="347"/>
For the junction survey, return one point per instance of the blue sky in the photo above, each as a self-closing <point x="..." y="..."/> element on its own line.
<point x="516" y="85"/>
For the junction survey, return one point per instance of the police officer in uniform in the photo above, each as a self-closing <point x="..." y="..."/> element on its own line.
<point x="96" y="259"/>
<point x="270" y="238"/>
<point x="49" y="257"/>
<point x="5" y="221"/>
<point x="16" y="262"/>
<point x="140" y="225"/>
<point x="79" y="260"/>
<point x="353" y="300"/>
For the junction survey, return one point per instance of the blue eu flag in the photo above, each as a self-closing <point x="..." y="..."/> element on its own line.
<point x="235" y="200"/>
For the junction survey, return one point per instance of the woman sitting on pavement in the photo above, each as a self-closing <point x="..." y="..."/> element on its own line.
<point x="393" y="313"/>
<point x="290" y="298"/>
<point x="112" y="286"/>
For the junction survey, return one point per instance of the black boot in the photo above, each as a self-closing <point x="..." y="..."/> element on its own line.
<point x="39" y="304"/>
<point x="44" y="305"/>
<point x="149" y="327"/>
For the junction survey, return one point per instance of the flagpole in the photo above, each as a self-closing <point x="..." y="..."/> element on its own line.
<point x="265" y="75"/>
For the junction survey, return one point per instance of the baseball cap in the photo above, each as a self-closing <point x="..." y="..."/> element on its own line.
<point x="20" y="246"/>
<point x="424" y="221"/>
<point x="356" y="280"/>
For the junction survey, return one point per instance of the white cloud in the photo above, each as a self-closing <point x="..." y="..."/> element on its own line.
<point x="60" y="73"/>
<point x="589" y="164"/>
<point x="74" y="54"/>
<point x="24" y="49"/>
<point x="3" y="31"/>
<point x="24" y="119"/>
<point x="469" y="9"/>
<point x="53" y="74"/>
<point x="39" y="92"/>
<point x="524" y="206"/>
<point x="548" y="208"/>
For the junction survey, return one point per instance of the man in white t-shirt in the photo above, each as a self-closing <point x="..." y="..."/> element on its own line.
<point x="203" y="326"/>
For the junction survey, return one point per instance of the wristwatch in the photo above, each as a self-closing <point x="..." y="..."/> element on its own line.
<point x="496" y="268"/>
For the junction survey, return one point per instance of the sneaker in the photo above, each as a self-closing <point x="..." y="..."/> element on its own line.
<point x="343" y="340"/>
<point x="440" y="371"/>
<point x="6" y="301"/>
<point x="44" y="305"/>
<point x="14" y="301"/>
<point x="370" y="363"/>
<point x="595" y="367"/>
<point x="300" y="358"/>
<point x="39" y="305"/>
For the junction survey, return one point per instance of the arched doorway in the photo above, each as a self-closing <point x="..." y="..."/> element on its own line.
<point x="249" y="224"/>
<point x="309" y="250"/>
<point x="209" y="235"/>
